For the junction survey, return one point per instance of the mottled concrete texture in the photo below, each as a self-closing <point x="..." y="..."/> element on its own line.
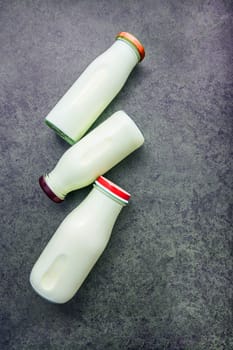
<point x="164" y="282"/>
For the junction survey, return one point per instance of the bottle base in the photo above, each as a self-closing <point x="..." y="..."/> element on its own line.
<point x="45" y="297"/>
<point x="60" y="132"/>
<point x="48" y="191"/>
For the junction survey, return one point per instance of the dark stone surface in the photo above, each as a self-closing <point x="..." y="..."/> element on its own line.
<point x="164" y="281"/>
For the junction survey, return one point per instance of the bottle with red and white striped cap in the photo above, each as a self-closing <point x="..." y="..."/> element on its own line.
<point x="78" y="243"/>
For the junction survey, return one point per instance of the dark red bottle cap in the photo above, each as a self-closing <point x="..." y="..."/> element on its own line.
<point x="48" y="191"/>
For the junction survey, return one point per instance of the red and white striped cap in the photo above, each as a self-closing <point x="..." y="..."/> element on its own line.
<point x="113" y="189"/>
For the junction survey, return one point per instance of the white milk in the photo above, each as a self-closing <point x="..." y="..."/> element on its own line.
<point x="95" y="88"/>
<point x="78" y="243"/>
<point x="93" y="156"/>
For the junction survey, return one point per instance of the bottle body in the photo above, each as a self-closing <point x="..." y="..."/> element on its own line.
<point x="93" y="91"/>
<point x="94" y="155"/>
<point x="75" y="247"/>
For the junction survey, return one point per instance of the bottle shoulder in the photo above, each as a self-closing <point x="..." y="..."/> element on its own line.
<point x="85" y="231"/>
<point x="111" y="60"/>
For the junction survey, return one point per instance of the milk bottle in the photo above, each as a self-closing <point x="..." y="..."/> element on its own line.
<point x="92" y="156"/>
<point x="78" y="243"/>
<point x="77" y="110"/>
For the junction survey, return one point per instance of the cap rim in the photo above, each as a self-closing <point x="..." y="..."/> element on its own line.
<point x="113" y="188"/>
<point x="133" y="40"/>
<point x="48" y="191"/>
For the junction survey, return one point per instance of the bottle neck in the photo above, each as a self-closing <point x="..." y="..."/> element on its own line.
<point x="125" y="53"/>
<point x="55" y="185"/>
<point x="102" y="207"/>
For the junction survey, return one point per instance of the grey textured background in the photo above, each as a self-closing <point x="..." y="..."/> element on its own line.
<point x="164" y="282"/>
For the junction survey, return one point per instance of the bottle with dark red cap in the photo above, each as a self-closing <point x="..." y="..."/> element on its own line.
<point x="94" y="155"/>
<point x="90" y="94"/>
<point x="78" y="243"/>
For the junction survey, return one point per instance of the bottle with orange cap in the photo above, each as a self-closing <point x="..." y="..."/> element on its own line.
<point x="78" y="243"/>
<point x="90" y="94"/>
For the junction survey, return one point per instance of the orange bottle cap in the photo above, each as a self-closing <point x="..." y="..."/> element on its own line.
<point x="133" y="40"/>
